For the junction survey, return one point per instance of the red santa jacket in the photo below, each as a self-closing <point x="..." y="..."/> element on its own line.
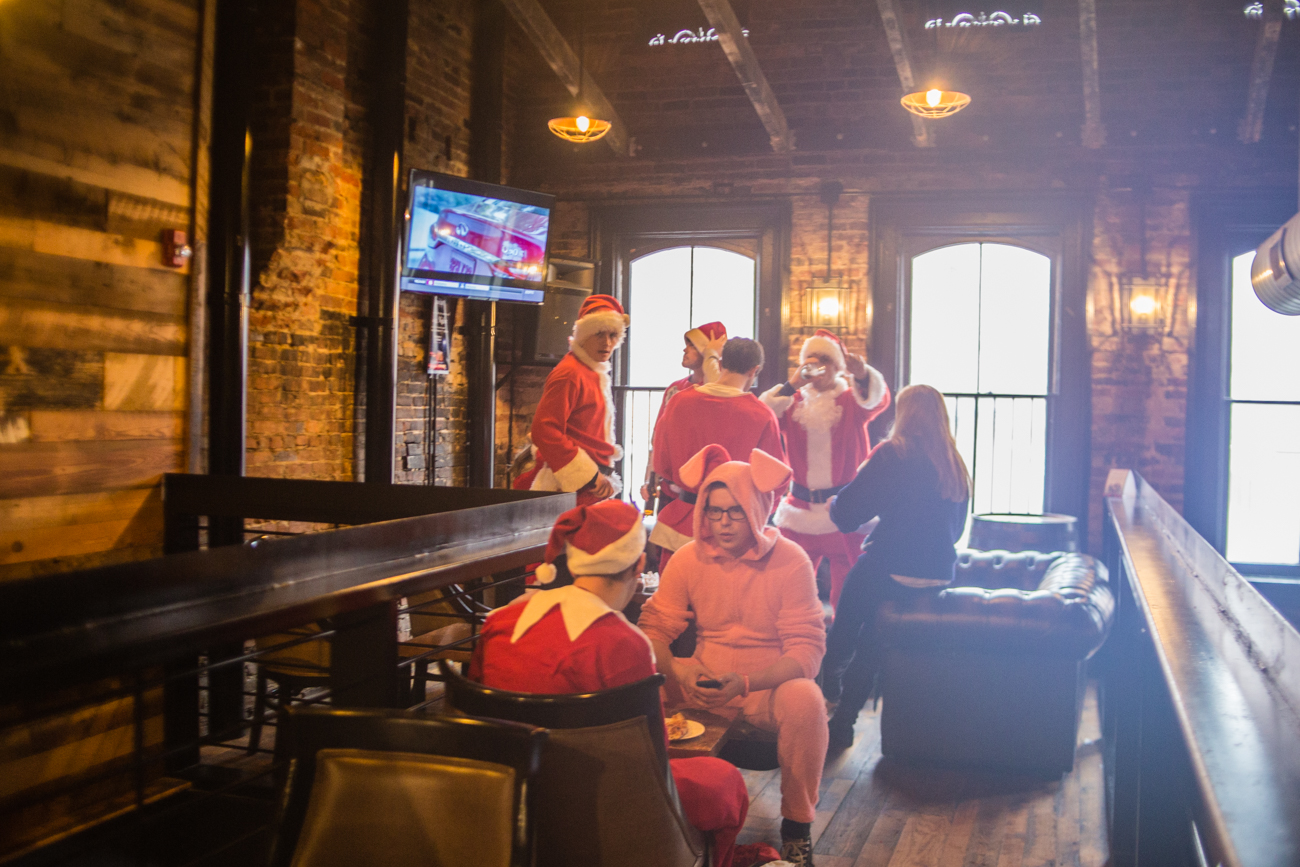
<point x="826" y="437"/>
<point x="561" y="641"/>
<point x="573" y="427"/>
<point x="734" y="419"/>
<point x="569" y="641"/>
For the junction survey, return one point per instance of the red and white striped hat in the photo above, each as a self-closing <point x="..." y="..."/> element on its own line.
<point x="599" y="312"/>
<point x="825" y="344"/>
<point x="599" y="539"/>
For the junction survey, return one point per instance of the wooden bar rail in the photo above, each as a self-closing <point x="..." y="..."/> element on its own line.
<point x="1201" y="701"/>
<point x="144" y="613"/>
<point x="122" y="649"/>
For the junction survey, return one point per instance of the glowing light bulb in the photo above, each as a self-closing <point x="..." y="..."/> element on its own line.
<point x="584" y="123"/>
<point x="1143" y="305"/>
<point x="828" y="308"/>
<point x="932" y="97"/>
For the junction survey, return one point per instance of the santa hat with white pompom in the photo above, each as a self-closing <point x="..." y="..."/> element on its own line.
<point x="599" y="539"/>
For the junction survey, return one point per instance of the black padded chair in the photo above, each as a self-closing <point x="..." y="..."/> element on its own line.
<point x="605" y="795"/>
<point x="380" y="787"/>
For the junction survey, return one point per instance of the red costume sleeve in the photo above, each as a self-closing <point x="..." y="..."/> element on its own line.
<point x="572" y="466"/>
<point x="661" y="447"/>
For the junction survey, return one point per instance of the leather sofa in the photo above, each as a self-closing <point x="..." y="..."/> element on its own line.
<point x="991" y="670"/>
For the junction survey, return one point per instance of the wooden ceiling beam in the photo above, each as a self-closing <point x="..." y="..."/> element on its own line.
<point x="921" y="133"/>
<point x="1261" y="73"/>
<point x="565" y="63"/>
<point x="1094" y="132"/>
<point x="722" y="18"/>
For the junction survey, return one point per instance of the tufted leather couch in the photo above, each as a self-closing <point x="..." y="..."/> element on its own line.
<point x="991" y="671"/>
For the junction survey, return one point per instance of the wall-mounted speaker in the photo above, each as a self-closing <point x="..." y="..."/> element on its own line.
<point x="544" y="337"/>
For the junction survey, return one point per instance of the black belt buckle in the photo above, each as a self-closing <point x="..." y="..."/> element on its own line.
<point x="810" y="496"/>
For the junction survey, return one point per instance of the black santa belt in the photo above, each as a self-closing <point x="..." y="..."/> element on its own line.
<point x="823" y="495"/>
<point x="682" y="494"/>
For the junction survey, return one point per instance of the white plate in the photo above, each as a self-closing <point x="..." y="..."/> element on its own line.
<point x="693" y="730"/>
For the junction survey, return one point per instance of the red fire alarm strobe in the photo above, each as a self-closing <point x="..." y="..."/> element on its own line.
<point x="176" y="248"/>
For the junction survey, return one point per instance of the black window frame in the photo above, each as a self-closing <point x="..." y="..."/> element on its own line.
<point x="1227" y="225"/>
<point x="1058" y="226"/>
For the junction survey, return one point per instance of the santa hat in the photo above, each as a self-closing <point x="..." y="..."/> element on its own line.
<point x="598" y="313"/>
<point x="599" y="539"/>
<point x="702" y="335"/>
<point x="825" y="344"/>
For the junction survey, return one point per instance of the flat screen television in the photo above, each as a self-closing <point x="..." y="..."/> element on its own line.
<point x="475" y="240"/>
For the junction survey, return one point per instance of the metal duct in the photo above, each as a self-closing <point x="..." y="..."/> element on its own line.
<point x="1275" y="273"/>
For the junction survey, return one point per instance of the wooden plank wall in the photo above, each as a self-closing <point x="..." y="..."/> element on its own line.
<point x="98" y="145"/>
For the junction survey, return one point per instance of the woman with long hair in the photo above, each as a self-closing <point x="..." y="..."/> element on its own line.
<point x="917" y="484"/>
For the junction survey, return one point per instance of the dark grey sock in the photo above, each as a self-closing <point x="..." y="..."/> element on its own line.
<point x="791" y="830"/>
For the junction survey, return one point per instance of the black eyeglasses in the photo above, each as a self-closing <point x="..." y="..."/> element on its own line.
<point x="715" y="513"/>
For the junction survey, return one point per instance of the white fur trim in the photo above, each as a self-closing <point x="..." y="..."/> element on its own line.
<point x="575" y="473"/>
<point x="819" y="412"/>
<point x="598" y="321"/>
<point x="579" y="608"/>
<point x="610" y="560"/>
<point x="545" y="572"/>
<point x="544" y="480"/>
<point x="667" y="538"/>
<point x="776" y="401"/>
<point x="822" y="346"/>
<point x="875" y="390"/>
<point x="813" y="521"/>
<point x="717" y="389"/>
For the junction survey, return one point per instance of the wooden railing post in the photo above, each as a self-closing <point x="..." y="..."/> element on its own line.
<point x="363" y="657"/>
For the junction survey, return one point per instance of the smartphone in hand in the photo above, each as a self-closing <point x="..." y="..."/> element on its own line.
<point x="709" y="683"/>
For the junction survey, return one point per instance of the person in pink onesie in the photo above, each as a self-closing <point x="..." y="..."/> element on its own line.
<point x="572" y="637"/>
<point x="760" y="634"/>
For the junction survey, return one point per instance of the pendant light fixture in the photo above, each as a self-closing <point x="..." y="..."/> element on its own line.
<point x="936" y="101"/>
<point x="581" y="126"/>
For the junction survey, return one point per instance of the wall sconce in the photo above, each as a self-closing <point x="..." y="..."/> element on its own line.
<point x="827" y="305"/>
<point x="1143" y="304"/>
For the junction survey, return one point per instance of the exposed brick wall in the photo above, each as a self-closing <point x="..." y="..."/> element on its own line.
<point x="311" y="147"/>
<point x="438" y="103"/>
<point x="307" y="211"/>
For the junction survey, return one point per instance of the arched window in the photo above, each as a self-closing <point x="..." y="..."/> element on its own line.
<point x="669" y="292"/>
<point x="980" y="333"/>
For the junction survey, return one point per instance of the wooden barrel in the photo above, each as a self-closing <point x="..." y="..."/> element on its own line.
<point x="1049" y="532"/>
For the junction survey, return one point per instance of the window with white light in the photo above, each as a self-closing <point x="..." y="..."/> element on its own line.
<point x="980" y="333"/>
<point x="670" y="292"/>
<point x="1264" y="418"/>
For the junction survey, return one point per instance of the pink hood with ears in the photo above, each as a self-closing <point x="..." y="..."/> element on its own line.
<point x="751" y="484"/>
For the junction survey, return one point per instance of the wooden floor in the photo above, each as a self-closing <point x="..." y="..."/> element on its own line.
<point x="877" y="813"/>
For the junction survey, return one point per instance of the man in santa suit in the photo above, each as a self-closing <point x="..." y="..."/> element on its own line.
<point x="722" y="412"/>
<point x="824" y="419"/>
<point x="702" y="357"/>
<point x="575" y="639"/>
<point x="573" y="427"/>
